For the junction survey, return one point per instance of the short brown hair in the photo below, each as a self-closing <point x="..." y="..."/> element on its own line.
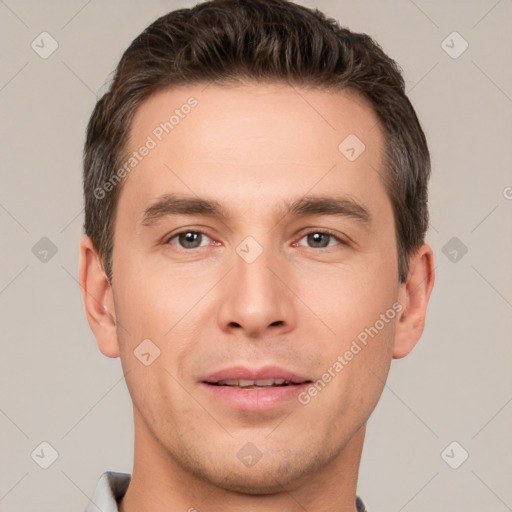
<point x="232" y="41"/>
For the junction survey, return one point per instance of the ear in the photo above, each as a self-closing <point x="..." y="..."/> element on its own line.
<point x="414" y="296"/>
<point x="98" y="298"/>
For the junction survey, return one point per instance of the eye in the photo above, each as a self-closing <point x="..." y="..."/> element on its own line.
<point x="188" y="239"/>
<point x="321" y="239"/>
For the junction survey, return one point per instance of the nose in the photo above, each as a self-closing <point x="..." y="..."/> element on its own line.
<point x="256" y="297"/>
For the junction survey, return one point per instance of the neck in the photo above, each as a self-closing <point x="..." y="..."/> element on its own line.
<point x="160" y="483"/>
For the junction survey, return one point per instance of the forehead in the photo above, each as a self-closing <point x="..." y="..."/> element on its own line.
<point x="266" y="140"/>
<point x="278" y="112"/>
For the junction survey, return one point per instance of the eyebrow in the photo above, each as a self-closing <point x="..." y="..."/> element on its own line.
<point x="173" y="204"/>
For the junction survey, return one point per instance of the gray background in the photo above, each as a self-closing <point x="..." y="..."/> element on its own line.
<point x="455" y="385"/>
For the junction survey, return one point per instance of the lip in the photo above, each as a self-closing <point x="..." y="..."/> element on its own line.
<point x="266" y="372"/>
<point x="254" y="400"/>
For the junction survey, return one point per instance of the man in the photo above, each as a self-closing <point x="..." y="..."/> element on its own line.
<point x="256" y="204"/>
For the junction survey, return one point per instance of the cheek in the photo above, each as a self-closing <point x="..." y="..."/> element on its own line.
<point x="168" y="311"/>
<point x="151" y="302"/>
<point x="347" y="299"/>
<point x="357" y="307"/>
<point x="354" y="373"/>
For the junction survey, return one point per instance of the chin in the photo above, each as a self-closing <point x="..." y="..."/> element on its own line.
<point x="263" y="478"/>
<point x="252" y="484"/>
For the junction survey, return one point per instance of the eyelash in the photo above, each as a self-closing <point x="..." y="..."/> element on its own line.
<point x="313" y="231"/>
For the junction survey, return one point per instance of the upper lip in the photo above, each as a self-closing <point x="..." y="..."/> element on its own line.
<point x="244" y="373"/>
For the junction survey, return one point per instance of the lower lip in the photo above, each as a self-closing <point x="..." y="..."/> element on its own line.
<point x="255" y="400"/>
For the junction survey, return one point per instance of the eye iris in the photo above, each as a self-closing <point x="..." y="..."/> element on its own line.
<point x="316" y="238"/>
<point x="189" y="238"/>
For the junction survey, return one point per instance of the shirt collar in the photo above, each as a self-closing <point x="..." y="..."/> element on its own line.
<point x="111" y="487"/>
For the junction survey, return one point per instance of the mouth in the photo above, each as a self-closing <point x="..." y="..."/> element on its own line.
<point x="254" y="390"/>
<point x="256" y="384"/>
<point x="247" y="378"/>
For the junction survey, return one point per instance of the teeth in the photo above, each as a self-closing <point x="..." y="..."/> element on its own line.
<point x="243" y="383"/>
<point x="228" y="383"/>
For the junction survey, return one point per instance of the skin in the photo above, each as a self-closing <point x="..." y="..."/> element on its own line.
<point x="298" y="305"/>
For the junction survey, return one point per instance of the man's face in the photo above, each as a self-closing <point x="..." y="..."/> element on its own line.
<point x="256" y="287"/>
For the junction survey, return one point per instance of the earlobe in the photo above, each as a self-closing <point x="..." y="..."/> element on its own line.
<point x="98" y="299"/>
<point x="414" y="296"/>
